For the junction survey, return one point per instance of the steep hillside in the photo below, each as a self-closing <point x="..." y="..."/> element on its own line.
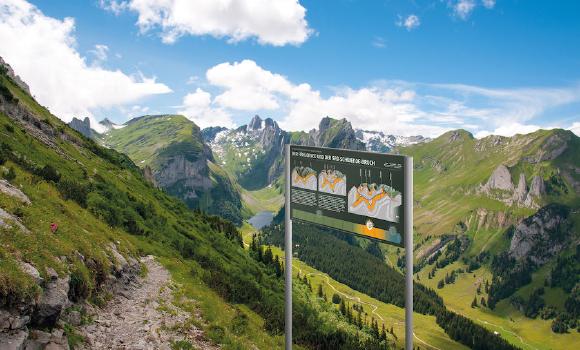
<point x="172" y="149"/>
<point x="507" y="208"/>
<point x="74" y="219"/>
<point x="456" y="175"/>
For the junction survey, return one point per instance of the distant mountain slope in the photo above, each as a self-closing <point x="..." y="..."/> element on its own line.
<point x="253" y="153"/>
<point x="172" y="149"/>
<point x="456" y="174"/>
<point x="378" y="141"/>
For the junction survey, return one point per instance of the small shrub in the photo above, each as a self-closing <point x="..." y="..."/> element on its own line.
<point x="49" y="173"/>
<point x="216" y="333"/>
<point x="181" y="345"/>
<point x="9" y="128"/>
<point x="239" y="323"/>
<point x="81" y="284"/>
<point x="75" y="191"/>
<point x="10" y="174"/>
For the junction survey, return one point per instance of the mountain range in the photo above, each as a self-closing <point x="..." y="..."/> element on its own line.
<point x="496" y="220"/>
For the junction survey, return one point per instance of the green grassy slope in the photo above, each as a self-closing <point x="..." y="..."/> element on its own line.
<point x="97" y="197"/>
<point x="450" y="169"/>
<point x="158" y="141"/>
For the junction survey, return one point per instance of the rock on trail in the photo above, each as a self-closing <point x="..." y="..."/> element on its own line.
<point x="144" y="317"/>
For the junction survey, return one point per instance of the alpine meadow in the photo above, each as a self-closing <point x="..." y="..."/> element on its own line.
<point x="142" y="173"/>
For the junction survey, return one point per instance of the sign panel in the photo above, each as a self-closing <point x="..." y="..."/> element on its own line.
<point x="354" y="191"/>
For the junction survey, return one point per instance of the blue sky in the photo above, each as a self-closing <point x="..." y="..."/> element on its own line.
<point x="403" y="67"/>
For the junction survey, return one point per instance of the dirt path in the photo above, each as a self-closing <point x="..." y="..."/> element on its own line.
<point x="144" y="317"/>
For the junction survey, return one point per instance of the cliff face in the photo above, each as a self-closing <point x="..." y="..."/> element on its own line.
<point x="174" y="156"/>
<point x="254" y="152"/>
<point x="82" y="126"/>
<point x="543" y="235"/>
<point x="500" y="186"/>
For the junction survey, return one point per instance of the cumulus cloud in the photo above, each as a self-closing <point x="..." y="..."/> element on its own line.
<point x="42" y="51"/>
<point x="575" y="128"/>
<point x="197" y="106"/>
<point x="410" y="22"/>
<point x="101" y="52"/>
<point x="510" y="130"/>
<point x="488" y="4"/>
<point x="276" y="23"/>
<point x="397" y="107"/>
<point x="463" y="8"/>
<point x="247" y="87"/>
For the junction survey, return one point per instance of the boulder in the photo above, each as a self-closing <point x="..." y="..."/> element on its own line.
<point x="8" y="189"/>
<point x="14" y="340"/>
<point x="52" y="302"/>
<point x="31" y="271"/>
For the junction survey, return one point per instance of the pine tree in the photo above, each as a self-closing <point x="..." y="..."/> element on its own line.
<point x="383" y="333"/>
<point x="268" y="256"/>
<point x="320" y="291"/>
<point x="483" y="303"/>
<point x="342" y="307"/>
<point x="474" y="302"/>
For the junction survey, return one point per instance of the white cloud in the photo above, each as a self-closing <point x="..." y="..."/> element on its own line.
<point x="410" y="22"/>
<point x="575" y="128"/>
<point x="277" y="23"/>
<point x="463" y="8"/>
<point x="511" y="129"/>
<point x="488" y="4"/>
<point x="101" y="52"/>
<point x="393" y="106"/>
<point x="379" y="42"/>
<point x="42" y="51"/>
<point x="248" y="87"/>
<point x="197" y="106"/>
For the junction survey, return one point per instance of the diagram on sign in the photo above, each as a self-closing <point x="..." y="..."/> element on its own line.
<point x="304" y="177"/>
<point x="332" y="181"/>
<point x="376" y="200"/>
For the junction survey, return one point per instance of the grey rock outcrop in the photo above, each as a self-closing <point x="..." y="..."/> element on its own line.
<point x="82" y="126"/>
<point x="500" y="179"/>
<point x="521" y="190"/>
<point x="543" y="235"/>
<point x="13" y="76"/>
<point x="53" y="301"/>
<point x="8" y="189"/>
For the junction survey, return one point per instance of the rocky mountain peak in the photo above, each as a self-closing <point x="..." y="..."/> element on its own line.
<point x="82" y="126"/>
<point x="255" y="123"/>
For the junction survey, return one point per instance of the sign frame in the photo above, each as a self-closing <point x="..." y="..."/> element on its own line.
<point x="406" y="243"/>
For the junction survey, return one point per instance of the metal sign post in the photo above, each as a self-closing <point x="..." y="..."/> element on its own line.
<point x="288" y="255"/>
<point x="363" y="193"/>
<point x="408" y="222"/>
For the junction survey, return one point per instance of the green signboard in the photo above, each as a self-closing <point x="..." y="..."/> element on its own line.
<point x="354" y="191"/>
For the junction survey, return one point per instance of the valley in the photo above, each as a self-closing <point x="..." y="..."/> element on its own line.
<point x="496" y="234"/>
